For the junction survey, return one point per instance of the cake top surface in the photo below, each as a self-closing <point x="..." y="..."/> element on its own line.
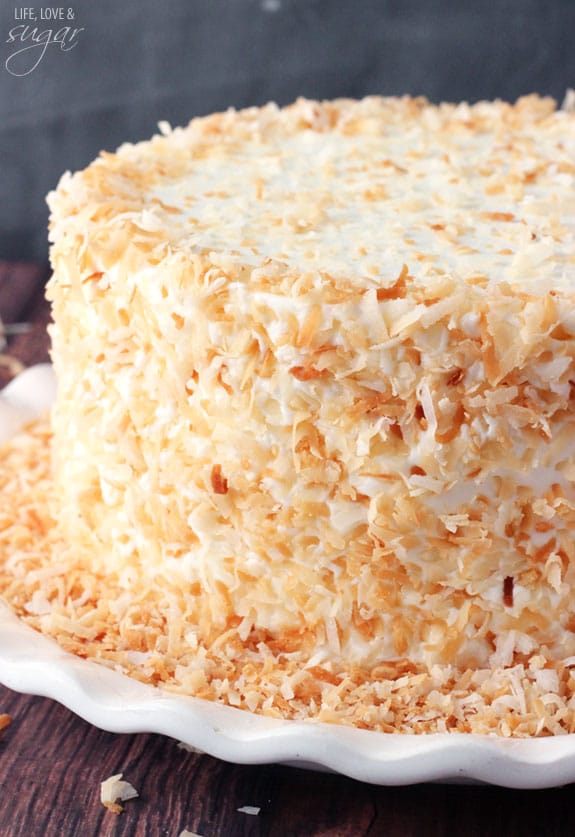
<point x="353" y="189"/>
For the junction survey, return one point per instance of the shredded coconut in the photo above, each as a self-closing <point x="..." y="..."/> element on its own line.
<point x="290" y="476"/>
<point x="113" y="789"/>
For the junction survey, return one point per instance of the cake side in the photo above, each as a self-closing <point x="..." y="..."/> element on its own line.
<point x="144" y="632"/>
<point x="357" y="456"/>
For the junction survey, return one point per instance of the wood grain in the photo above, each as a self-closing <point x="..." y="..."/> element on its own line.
<point x="22" y="301"/>
<point x="52" y="763"/>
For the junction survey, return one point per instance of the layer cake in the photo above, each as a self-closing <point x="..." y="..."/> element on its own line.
<point x="316" y="370"/>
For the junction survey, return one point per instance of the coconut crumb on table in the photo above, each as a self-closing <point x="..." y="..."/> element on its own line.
<point x="189" y="749"/>
<point x="113" y="789"/>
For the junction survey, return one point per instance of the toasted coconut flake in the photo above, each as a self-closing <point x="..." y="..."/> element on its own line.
<point x="508" y="591"/>
<point x="113" y="789"/>
<point x="219" y="482"/>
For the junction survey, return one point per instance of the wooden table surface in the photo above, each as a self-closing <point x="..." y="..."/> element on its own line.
<point x="52" y="762"/>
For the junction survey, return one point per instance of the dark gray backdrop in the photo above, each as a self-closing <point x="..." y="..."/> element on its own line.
<point x="139" y="61"/>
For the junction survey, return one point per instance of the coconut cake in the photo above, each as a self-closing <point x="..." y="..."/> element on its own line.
<point x="314" y="436"/>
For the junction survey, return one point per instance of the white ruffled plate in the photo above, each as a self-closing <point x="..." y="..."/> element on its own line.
<point x="34" y="664"/>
